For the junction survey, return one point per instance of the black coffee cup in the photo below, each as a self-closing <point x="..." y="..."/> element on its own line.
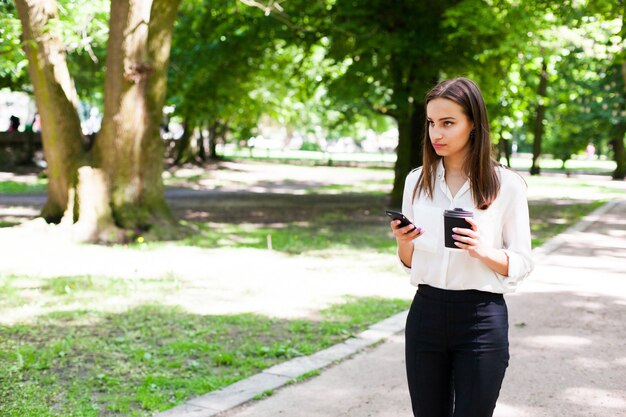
<point x="451" y="219"/>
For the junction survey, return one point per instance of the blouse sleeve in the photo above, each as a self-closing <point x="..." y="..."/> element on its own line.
<point x="516" y="235"/>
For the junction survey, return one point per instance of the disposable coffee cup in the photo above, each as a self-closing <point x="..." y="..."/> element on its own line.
<point x="451" y="219"/>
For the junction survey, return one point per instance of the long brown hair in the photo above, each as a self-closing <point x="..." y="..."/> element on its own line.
<point x="480" y="165"/>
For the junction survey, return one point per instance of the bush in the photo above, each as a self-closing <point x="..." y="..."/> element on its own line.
<point x="310" y="146"/>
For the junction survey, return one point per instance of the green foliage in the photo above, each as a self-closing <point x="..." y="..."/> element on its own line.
<point x="84" y="28"/>
<point x="13" y="65"/>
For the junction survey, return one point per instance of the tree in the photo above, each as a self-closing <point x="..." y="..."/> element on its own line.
<point x="618" y="118"/>
<point x="387" y="49"/>
<point x="119" y="182"/>
<point x="218" y="48"/>
<point x="393" y="53"/>
<point x="56" y="100"/>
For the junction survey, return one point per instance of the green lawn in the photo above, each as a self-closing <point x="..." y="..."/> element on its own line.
<point x="151" y="358"/>
<point x="13" y="187"/>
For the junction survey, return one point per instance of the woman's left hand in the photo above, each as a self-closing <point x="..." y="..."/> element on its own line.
<point x="469" y="239"/>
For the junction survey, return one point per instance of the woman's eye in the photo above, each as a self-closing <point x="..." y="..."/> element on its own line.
<point x="447" y="123"/>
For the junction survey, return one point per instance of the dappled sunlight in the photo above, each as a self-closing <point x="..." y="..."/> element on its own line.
<point x="31" y="298"/>
<point x="298" y="180"/>
<point x="620" y="361"/>
<point x="556" y="341"/>
<point x="612" y="400"/>
<point x="235" y="281"/>
<point x="566" y="348"/>
<point x="506" y="410"/>
<point x="17" y="211"/>
<point x="620" y="234"/>
<point x="14" y="215"/>
<point x="584" y="362"/>
<point x="547" y="187"/>
<point x="584" y="304"/>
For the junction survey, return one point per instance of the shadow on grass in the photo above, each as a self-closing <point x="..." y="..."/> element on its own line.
<point x="150" y="358"/>
<point x="549" y="217"/>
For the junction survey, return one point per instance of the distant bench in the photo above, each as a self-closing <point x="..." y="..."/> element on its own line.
<point x="18" y="148"/>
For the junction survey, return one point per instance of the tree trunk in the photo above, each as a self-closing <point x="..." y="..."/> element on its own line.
<point x="212" y="139"/>
<point x="507" y="152"/>
<point x="129" y="148"/>
<point x="410" y="148"/>
<point x="619" y="130"/>
<point x="56" y="100"/>
<point x="217" y="130"/>
<point x="539" y="116"/>
<point x="617" y="140"/>
<point x="183" y="149"/>
<point x="201" y="145"/>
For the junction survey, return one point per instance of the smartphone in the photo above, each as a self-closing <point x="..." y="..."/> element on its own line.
<point x="396" y="215"/>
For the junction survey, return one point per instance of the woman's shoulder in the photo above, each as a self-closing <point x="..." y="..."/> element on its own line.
<point x="413" y="176"/>
<point x="510" y="179"/>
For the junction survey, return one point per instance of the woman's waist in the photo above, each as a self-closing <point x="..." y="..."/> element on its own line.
<point x="465" y="295"/>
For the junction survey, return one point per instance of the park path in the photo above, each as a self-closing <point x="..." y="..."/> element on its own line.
<point x="567" y="343"/>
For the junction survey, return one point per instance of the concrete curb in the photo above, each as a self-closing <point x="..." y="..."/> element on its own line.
<point x="554" y="243"/>
<point x="279" y="375"/>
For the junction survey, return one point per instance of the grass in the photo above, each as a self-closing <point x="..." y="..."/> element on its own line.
<point x="550" y="218"/>
<point x="4" y="223"/>
<point x="56" y="293"/>
<point x="573" y="165"/>
<point x="150" y="358"/>
<point x="547" y="217"/>
<point x="318" y="235"/>
<point x="14" y="187"/>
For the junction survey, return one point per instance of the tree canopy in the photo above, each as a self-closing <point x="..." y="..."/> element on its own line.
<point x="553" y="75"/>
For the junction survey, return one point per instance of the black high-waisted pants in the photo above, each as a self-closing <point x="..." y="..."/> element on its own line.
<point x="457" y="350"/>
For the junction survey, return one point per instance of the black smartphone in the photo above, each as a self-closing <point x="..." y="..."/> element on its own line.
<point x="396" y="215"/>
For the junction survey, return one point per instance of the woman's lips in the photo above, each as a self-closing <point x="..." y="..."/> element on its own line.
<point x="438" y="145"/>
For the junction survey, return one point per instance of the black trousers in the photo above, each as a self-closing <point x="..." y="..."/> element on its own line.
<point x="457" y="351"/>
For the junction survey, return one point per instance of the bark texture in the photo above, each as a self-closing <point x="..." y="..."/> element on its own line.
<point x="56" y="99"/>
<point x="410" y="147"/>
<point x="120" y="182"/>
<point x="129" y="148"/>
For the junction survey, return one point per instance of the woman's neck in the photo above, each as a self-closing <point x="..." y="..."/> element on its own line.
<point x="454" y="167"/>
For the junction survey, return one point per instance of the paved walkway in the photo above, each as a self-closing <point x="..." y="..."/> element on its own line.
<point x="568" y="355"/>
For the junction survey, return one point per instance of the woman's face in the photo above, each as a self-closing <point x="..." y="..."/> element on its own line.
<point x="449" y="128"/>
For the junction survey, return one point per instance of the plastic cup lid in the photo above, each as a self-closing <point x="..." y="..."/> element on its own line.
<point x="458" y="212"/>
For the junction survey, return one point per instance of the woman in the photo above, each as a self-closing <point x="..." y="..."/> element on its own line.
<point x="457" y="346"/>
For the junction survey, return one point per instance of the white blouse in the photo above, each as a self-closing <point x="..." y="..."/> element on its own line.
<point x="505" y="225"/>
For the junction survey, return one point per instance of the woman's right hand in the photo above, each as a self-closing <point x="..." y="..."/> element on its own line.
<point x="406" y="233"/>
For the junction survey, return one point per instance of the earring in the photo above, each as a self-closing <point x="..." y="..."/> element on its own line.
<point x="472" y="135"/>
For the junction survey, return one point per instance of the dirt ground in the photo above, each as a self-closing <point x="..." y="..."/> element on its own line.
<point x="222" y="280"/>
<point x="243" y="280"/>
<point x="256" y="193"/>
